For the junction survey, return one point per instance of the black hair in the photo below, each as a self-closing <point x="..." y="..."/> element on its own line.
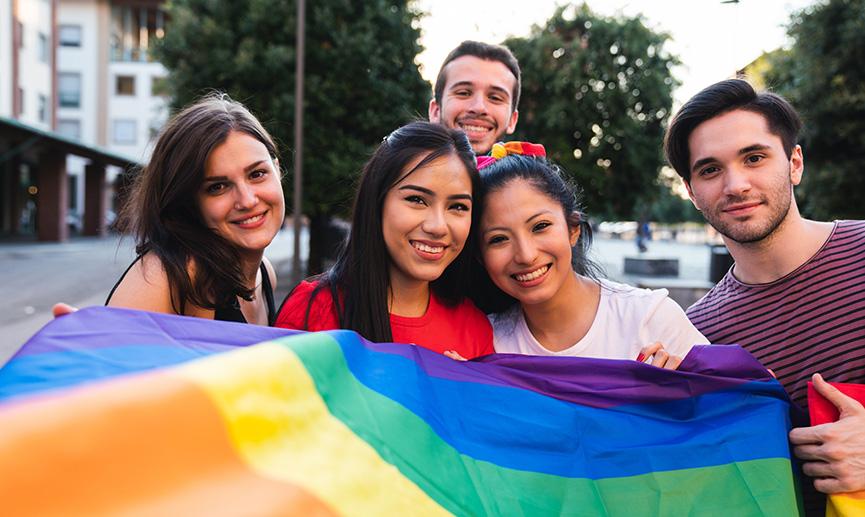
<point x="549" y="180"/>
<point x="486" y="52"/>
<point x="359" y="281"/>
<point x="721" y="98"/>
<point x="163" y="211"/>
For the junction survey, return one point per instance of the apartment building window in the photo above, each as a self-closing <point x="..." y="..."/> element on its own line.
<point x="134" y="30"/>
<point x="69" y="35"/>
<point x="43" y="108"/>
<point x="44" y="48"/>
<point x="20" y="93"/>
<point x="70" y="128"/>
<point x="124" y="85"/>
<point x="69" y="89"/>
<point x="124" y="132"/>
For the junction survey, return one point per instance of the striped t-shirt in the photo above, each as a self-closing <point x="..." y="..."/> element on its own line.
<point x="811" y="320"/>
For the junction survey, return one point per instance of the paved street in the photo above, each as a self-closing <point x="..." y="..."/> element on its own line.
<point x="81" y="272"/>
<point x="34" y="276"/>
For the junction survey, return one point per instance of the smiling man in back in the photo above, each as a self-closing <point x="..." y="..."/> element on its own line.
<point x="478" y="90"/>
<point x="795" y="297"/>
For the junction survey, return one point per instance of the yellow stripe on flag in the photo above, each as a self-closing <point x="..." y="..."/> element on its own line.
<point x="283" y="429"/>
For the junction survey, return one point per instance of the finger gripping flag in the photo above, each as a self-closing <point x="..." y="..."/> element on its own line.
<point x="328" y="423"/>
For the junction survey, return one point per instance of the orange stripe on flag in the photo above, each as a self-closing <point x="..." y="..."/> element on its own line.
<point x="152" y="444"/>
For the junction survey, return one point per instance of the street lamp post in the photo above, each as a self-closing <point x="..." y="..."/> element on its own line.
<point x="298" y="138"/>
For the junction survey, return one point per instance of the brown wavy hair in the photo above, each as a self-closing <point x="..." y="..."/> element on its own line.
<point x="163" y="211"/>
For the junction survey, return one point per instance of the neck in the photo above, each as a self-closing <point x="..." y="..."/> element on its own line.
<point x="249" y="265"/>
<point x="555" y="323"/>
<point x="791" y="244"/>
<point x="408" y="298"/>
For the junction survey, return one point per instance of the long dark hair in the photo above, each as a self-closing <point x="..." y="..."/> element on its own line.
<point x="549" y="180"/>
<point x="359" y="281"/>
<point x="163" y="212"/>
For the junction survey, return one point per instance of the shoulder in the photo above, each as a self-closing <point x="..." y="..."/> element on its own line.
<point x="300" y="301"/>
<point x="627" y="296"/>
<point x="145" y="286"/>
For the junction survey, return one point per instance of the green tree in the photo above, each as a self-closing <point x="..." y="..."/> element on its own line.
<point x="361" y="82"/>
<point x="823" y="75"/>
<point x="597" y="92"/>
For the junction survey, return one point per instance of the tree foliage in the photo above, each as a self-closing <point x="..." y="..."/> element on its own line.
<point x="597" y="92"/>
<point x="361" y="81"/>
<point x="823" y="76"/>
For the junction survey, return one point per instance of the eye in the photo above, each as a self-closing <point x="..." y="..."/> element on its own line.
<point x="709" y="170"/>
<point x="754" y="158"/>
<point x="543" y="225"/>
<point x="497" y="98"/>
<point x="258" y="174"/>
<point x="215" y="188"/>
<point x="461" y="207"/>
<point x="496" y="239"/>
<point x="462" y="93"/>
<point x="415" y="200"/>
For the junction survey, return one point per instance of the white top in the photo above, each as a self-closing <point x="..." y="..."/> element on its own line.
<point x="627" y="320"/>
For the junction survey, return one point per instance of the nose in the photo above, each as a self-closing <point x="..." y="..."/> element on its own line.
<point x="525" y="251"/>
<point x="245" y="197"/>
<point x="737" y="181"/>
<point x="434" y="222"/>
<point x="478" y="103"/>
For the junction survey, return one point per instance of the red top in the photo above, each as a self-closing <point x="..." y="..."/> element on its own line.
<point x="462" y="327"/>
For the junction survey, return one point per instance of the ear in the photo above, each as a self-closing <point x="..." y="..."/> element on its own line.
<point x="797" y="165"/>
<point x="574" y="235"/>
<point x="512" y="123"/>
<point x="435" y="111"/>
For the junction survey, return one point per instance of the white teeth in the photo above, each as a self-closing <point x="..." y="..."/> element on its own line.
<point x="429" y="249"/>
<point x="252" y="219"/>
<point x="474" y="128"/>
<point x="534" y="274"/>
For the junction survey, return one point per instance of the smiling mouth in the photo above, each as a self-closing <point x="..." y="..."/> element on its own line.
<point x="251" y="220"/>
<point x="427" y="248"/>
<point x="533" y="275"/>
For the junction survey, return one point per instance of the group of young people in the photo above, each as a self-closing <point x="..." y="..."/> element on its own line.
<point x="468" y="252"/>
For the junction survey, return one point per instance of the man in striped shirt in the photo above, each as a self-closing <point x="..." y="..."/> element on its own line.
<point x="795" y="297"/>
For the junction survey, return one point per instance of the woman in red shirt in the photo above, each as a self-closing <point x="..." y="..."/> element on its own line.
<point x="401" y="274"/>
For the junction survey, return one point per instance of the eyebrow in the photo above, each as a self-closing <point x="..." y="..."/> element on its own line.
<point x="745" y="150"/>
<point x="469" y="83"/>
<point x="246" y="169"/>
<point x="433" y="194"/>
<point x="502" y="228"/>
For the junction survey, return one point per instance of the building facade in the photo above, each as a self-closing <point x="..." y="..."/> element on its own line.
<point x="80" y="73"/>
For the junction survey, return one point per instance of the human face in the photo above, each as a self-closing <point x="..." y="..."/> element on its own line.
<point x="426" y="219"/>
<point x="741" y="179"/>
<point x="477" y="98"/>
<point x="526" y="243"/>
<point x="241" y="197"/>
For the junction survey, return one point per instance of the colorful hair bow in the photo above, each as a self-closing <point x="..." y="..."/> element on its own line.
<point x="502" y="149"/>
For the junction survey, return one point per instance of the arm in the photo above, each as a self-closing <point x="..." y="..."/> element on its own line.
<point x="834" y="454"/>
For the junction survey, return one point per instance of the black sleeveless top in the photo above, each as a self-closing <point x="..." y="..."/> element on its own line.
<point x="229" y="311"/>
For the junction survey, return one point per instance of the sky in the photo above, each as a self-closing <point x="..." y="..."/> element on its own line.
<point x="711" y="38"/>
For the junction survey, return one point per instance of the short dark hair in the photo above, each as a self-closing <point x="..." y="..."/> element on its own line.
<point x="487" y="52"/>
<point x="359" y="281"/>
<point x="551" y="181"/>
<point x="163" y="212"/>
<point x="721" y="98"/>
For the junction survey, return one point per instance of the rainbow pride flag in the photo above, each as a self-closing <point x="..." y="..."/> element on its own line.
<point x="116" y="411"/>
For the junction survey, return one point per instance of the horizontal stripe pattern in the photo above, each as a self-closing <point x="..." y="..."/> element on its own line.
<point x="346" y="426"/>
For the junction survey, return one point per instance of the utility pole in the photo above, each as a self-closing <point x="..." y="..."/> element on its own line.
<point x="296" y="273"/>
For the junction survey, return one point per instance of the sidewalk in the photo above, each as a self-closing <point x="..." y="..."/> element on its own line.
<point x="80" y="272"/>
